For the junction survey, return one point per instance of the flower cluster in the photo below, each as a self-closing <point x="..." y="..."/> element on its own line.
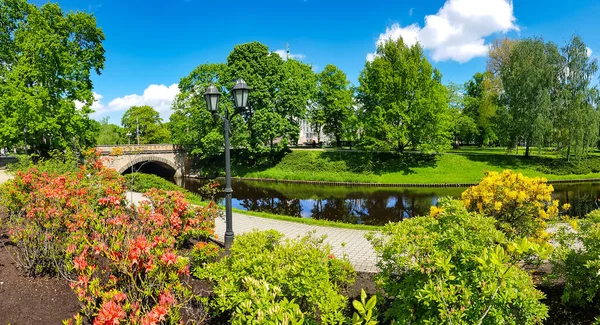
<point x="123" y="260"/>
<point x="520" y="204"/>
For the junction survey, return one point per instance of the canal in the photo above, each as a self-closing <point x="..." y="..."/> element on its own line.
<point x="367" y="205"/>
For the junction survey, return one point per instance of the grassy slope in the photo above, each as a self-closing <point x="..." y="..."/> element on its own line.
<point x="448" y="168"/>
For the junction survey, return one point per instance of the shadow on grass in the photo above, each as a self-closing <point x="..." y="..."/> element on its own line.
<point x="547" y="165"/>
<point x="380" y="162"/>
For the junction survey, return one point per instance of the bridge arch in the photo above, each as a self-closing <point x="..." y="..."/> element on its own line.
<point x="141" y="162"/>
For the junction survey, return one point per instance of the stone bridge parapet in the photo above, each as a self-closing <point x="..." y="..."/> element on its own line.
<point x="123" y="157"/>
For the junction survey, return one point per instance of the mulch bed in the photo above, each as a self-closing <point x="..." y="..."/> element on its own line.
<point x="28" y="300"/>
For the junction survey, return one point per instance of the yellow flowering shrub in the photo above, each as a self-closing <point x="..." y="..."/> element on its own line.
<point x="519" y="203"/>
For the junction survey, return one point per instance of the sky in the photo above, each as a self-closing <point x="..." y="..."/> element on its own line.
<point x="151" y="45"/>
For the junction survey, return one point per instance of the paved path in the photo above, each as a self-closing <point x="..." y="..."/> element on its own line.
<point x="4" y="176"/>
<point x="344" y="242"/>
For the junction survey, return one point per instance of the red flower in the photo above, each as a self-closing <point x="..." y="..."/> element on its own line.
<point x="110" y="314"/>
<point x="169" y="258"/>
<point x="80" y="262"/>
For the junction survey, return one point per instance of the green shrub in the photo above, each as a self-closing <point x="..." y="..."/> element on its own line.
<point x="456" y="267"/>
<point x="57" y="162"/>
<point x="576" y="260"/>
<point x="303" y="269"/>
<point x="264" y="304"/>
<point x="202" y="253"/>
<point x="140" y="182"/>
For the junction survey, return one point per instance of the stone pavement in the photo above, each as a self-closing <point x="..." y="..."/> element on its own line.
<point x="344" y="242"/>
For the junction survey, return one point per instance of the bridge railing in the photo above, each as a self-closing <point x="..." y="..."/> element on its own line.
<point x="138" y="148"/>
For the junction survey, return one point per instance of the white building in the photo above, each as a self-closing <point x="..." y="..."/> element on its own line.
<point x="308" y="134"/>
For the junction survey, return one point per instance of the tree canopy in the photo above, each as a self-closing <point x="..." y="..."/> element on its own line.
<point x="46" y="61"/>
<point x="144" y="125"/>
<point x="335" y="99"/>
<point x="404" y="101"/>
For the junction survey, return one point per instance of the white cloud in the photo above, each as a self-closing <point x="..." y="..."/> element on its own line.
<point x="96" y="105"/>
<point x="283" y="55"/>
<point x="160" y="97"/>
<point x="588" y="51"/>
<point x="458" y="30"/>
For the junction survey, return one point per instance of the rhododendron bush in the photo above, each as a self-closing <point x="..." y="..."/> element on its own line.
<point x="122" y="260"/>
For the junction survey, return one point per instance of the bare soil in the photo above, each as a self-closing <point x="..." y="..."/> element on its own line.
<point x="26" y="300"/>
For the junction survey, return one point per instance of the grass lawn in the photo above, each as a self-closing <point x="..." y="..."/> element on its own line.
<point x="467" y="166"/>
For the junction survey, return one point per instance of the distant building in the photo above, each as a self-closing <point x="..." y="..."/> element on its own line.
<point x="308" y="134"/>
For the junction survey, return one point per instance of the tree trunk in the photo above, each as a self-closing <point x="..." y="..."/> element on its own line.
<point x="527" y="150"/>
<point x="569" y="153"/>
<point x="338" y="141"/>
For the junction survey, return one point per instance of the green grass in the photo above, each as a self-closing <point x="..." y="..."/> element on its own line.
<point x="386" y="168"/>
<point x="140" y="182"/>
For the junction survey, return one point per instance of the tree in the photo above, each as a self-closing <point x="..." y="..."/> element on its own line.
<point x="46" y="60"/>
<point x="110" y="134"/>
<point x="281" y="91"/>
<point x="316" y="117"/>
<point x="192" y="126"/>
<point x="576" y="119"/>
<point x="404" y="100"/>
<point x="480" y="106"/>
<point x="297" y="90"/>
<point x="147" y="121"/>
<point x="529" y="80"/>
<point x="262" y="70"/>
<point x="335" y="97"/>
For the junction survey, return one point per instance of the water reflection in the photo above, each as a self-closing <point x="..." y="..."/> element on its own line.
<point x="367" y="205"/>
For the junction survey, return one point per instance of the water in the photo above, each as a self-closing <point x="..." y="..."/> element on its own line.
<point x="367" y="205"/>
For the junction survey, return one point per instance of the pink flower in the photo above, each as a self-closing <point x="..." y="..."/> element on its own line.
<point x="169" y="258"/>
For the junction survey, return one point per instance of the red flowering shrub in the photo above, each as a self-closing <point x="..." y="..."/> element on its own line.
<point x="122" y="260"/>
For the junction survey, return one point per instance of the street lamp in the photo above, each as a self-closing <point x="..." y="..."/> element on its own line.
<point x="240" y="96"/>
<point x="129" y="138"/>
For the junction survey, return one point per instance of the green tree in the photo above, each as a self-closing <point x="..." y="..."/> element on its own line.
<point x="335" y="97"/>
<point x="480" y="106"/>
<point x="110" y="134"/>
<point x="404" y="100"/>
<point x="147" y="121"/>
<point x="297" y="90"/>
<point x="316" y="117"/>
<point x="576" y="119"/>
<point x="529" y="80"/>
<point x="46" y="60"/>
<point x="192" y="125"/>
<point x="263" y="72"/>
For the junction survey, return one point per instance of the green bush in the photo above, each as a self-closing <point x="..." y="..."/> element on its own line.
<point x="140" y="182"/>
<point x="57" y="162"/>
<point x="456" y="268"/>
<point x="303" y="271"/>
<point x="576" y="260"/>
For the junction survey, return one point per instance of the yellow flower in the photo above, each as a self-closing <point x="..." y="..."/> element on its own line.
<point x="566" y="206"/>
<point x="435" y="211"/>
<point x="498" y="205"/>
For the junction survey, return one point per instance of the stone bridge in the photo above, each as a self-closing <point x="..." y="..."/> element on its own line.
<point x="162" y="159"/>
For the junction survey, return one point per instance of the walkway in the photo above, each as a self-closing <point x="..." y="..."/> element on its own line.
<point x="344" y="242"/>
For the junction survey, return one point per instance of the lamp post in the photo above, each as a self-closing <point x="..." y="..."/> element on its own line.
<point x="129" y="138"/>
<point x="240" y="96"/>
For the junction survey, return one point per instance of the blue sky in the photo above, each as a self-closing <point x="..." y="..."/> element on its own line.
<point x="150" y="45"/>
